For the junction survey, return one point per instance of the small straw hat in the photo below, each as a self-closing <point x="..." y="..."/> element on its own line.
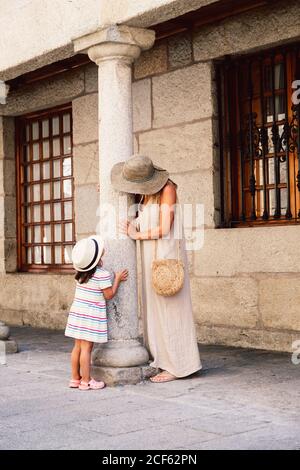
<point x="87" y="253"/>
<point x="138" y="175"/>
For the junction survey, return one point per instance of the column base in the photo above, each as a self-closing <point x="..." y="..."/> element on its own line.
<point x="113" y="376"/>
<point x="10" y="346"/>
<point x="121" y="362"/>
<point x="120" y="353"/>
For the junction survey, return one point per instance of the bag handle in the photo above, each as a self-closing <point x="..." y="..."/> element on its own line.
<point x="177" y="240"/>
<point x="177" y="249"/>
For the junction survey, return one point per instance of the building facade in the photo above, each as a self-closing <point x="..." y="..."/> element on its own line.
<point x="212" y="101"/>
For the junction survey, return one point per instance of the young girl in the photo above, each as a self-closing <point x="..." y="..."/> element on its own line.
<point x="87" y="321"/>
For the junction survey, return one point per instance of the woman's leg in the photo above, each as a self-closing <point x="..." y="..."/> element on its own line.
<point x="85" y="360"/>
<point x="75" y="360"/>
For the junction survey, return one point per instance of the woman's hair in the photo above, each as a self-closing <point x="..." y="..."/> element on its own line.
<point x="84" y="277"/>
<point x="155" y="198"/>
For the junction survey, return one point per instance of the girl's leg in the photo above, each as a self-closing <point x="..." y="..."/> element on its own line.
<point x="75" y="360"/>
<point x="85" y="360"/>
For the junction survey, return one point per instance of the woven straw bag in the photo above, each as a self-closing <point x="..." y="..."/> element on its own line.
<point x="167" y="274"/>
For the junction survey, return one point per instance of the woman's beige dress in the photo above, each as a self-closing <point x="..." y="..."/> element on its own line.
<point x="169" y="329"/>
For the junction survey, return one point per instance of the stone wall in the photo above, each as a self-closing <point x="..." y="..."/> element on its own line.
<point x="43" y="300"/>
<point x="173" y="119"/>
<point x="39" y="300"/>
<point x="8" y="245"/>
<point x="245" y="282"/>
<point x="86" y="161"/>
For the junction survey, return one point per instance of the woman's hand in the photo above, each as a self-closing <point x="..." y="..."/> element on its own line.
<point x="128" y="228"/>
<point x="166" y="218"/>
<point x="123" y="226"/>
<point x="121" y="275"/>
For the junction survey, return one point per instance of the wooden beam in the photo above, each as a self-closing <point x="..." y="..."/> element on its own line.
<point x="49" y="71"/>
<point x="209" y="14"/>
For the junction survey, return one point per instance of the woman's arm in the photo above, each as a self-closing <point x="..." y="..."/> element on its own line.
<point x="166" y="217"/>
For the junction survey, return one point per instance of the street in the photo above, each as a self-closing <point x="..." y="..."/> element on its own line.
<point x="242" y="399"/>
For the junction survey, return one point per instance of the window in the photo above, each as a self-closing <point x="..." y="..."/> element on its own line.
<point x="45" y="190"/>
<point x="259" y="139"/>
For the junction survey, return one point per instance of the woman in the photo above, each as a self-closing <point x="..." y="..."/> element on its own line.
<point x="169" y="329"/>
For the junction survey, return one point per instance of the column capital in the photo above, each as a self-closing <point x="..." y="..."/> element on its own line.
<point x="115" y="42"/>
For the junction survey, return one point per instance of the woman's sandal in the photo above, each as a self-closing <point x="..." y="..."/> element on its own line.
<point x="74" y="383"/>
<point x="162" y="377"/>
<point x="91" y="385"/>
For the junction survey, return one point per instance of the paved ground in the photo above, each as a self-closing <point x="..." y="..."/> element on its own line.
<point x="243" y="399"/>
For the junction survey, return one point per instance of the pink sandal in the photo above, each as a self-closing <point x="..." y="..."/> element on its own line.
<point x="91" y="385"/>
<point x="74" y="383"/>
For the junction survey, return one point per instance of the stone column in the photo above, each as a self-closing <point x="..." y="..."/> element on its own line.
<point x="114" y="48"/>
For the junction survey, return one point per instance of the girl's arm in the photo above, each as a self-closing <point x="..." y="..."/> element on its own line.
<point x="110" y="292"/>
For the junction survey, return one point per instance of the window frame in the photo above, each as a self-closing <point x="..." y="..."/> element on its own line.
<point x="229" y="138"/>
<point x="20" y="126"/>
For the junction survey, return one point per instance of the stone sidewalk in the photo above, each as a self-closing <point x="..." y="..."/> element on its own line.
<point x="243" y="399"/>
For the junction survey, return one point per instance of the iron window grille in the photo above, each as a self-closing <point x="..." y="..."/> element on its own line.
<point x="259" y="138"/>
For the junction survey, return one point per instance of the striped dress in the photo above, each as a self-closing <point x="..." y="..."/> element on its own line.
<point x="87" y="318"/>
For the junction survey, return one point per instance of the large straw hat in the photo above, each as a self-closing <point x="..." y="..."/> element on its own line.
<point x="138" y="175"/>
<point x="87" y="253"/>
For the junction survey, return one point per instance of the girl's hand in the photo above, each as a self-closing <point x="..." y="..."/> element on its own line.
<point x="122" y="275"/>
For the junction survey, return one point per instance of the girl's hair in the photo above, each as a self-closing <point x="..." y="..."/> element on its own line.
<point x="84" y="277"/>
